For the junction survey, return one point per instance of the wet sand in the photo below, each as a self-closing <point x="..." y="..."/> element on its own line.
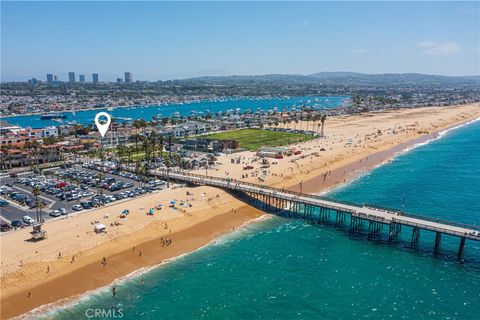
<point x="95" y="274"/>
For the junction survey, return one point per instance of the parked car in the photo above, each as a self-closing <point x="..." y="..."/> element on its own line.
<point x="3" y="203"/>
<point x="17" y="223"/>
<point x="85" y="205"/>
<point x="5" y="227"/>
<point x="77" y="207"/>
<point x="28" y="219"/>
<point x="55" y="213"/>
<point x="63" y="211"/>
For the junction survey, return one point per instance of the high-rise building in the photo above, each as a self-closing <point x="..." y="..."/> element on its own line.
<point x="81" y="77"/>
<point x="55" y="78"/>
<point x="33" y="81"/>
<point x="49" y="77"/>
<point x="95" y="78"/>
<point x="71" y="77"/>
<point x="128" y="77"/>
<point x="119" y="80"/>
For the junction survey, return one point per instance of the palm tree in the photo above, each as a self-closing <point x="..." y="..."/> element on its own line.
<point x="153" y="141"/>
<point x="130" y="152"/>
<point x="36" y="193"/>
<point x="121" y="151"/>
<point x="100" y="177"/>
<point x="260" y="125"/>
<point x="138" y="163"/>
<point x="160" y="142"/>
<point x="146" y="148"/>
<point x="145" y="171"/>
<point x="169" y="146"/>
<point x="322" y="120"/>
<point x="275" y="134"/>
<point x="137" y="138"/>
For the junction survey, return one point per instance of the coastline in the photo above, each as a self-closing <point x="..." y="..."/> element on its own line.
<point x="120" y="264"/>
<point x="205" y="231"/>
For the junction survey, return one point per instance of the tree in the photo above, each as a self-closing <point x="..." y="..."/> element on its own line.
<point x="169" y="146"/>
<point x="100" y="177"/>
<point x="36" y="193"/>
<point x="260" y="125"/>
<point x="136" y="138"/>
<point x="322" y="120"/>
<point x="146" y="147"/>
<point x="161" y="145"/>
<point x="121" y="151"/>
<point x="153" y="141"/>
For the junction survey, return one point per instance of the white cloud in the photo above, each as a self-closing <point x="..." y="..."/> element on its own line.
<point x="359" y="51"/>
<point x="435" y="48"/>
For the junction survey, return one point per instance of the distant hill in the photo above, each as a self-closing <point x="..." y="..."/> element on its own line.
<point x="341" y="79"/>
<point x="394" y="78"/>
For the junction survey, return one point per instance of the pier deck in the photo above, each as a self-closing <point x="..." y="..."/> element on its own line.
<point x="374" y="214"/>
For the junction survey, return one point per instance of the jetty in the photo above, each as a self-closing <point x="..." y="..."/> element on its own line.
<point x="320" y="209"/>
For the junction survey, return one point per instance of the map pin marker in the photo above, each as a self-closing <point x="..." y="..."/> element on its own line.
<point x="103" y="127"/>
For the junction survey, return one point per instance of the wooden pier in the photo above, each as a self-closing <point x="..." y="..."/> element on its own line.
<point x="320" y="208"/>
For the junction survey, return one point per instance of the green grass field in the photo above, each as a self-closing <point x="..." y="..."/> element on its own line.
<point x="253" y="139"/>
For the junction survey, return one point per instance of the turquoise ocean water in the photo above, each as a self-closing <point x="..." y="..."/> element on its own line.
<point x="291" y="269"/>
<point x="185" y="109"/>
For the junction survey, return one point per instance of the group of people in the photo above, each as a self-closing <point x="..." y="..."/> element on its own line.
<point x="166" y="241"/>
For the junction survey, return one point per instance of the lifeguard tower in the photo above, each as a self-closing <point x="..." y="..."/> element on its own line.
<point x="37" y="232"/>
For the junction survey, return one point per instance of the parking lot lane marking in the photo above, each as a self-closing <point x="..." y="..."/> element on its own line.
<point x="15" y="204"/>
<point x="42" y="197"/>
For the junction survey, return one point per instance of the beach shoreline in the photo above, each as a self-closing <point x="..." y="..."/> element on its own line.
<point x="316" y="178"/>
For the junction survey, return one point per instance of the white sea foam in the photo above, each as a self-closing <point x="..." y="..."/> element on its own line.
<point x="49" y="310"/>
<point x="439" y="135"/>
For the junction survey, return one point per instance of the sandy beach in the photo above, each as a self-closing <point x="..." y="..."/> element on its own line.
<point x="70" y="261"/>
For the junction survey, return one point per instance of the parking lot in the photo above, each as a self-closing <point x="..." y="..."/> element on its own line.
<point x="72" y="188"/>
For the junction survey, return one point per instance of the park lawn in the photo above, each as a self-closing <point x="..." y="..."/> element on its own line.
<point x="253" y="139"/>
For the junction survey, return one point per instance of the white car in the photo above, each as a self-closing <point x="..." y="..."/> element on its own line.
<point x="55" y="213"/>
<point x="77" y="207"/>
<point x="28" y="219"/>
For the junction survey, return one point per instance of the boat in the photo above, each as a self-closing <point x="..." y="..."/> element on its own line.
<point x="52" y="116"/>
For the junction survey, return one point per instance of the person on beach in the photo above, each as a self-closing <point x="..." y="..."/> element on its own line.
<point x="29" y="293"/>
<point x="114" y="291"/>
<point x="104" y="261"/>
<point x="140" y="253"/>
<point x="48" y="269"/>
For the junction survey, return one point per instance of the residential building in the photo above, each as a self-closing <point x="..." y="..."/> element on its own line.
<point x="113" y="139"/>
<point x="128" y="77"/>
<point x="71" y="77"/>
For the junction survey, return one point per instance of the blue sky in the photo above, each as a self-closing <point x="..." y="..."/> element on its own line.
<point x="161" y="40"/>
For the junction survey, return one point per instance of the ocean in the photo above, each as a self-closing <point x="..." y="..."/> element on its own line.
<point x="283" y="268"/>
<point x="86" y="117"/>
